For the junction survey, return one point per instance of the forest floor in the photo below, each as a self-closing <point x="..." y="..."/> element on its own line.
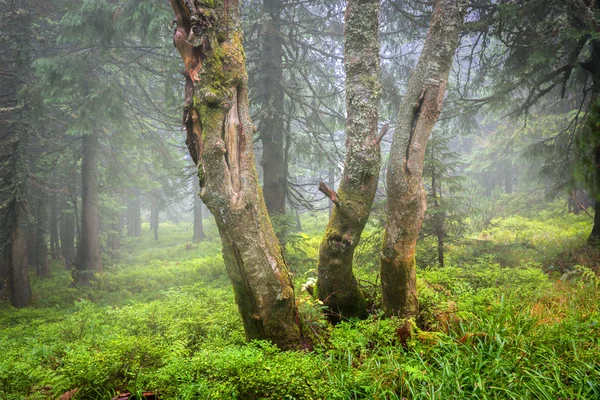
<point x="515" y="314"/>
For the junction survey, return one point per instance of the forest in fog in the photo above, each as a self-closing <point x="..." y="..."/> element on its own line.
<point x="299" y="199"/>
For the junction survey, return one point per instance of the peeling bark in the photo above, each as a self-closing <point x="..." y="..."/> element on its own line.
<point x="219" y="139"/>
<point x="337" y="285"/>
<point x="419" y="111"/>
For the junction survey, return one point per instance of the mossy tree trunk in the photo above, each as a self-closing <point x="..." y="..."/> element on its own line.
<point x="337" y="285"/>
<point x="89" y="253"/>
<point x="419" y="111"/>
<point x="271" y="101"/>
<point x="219" y="139"/>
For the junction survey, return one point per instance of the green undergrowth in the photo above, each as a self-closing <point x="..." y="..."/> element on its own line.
<point x="162" y="318"/>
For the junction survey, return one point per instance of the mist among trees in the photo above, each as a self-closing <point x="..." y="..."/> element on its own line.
<point x="220" y="199"/>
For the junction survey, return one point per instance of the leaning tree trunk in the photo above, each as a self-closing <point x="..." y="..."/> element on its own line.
<point x="219" y="139"/>
<point x="271" y="125"/>
<point x="419" y="111"/>
<point x="89" y="257"/>
<point x="337" y="285"/>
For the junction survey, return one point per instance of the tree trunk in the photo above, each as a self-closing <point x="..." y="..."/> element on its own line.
<point x="134" y="217"/>
<point x="594" y="239"/>
<point x="154" y="217"/>
<point x="331" y="184"/>
<point x="41" y="237"/>
<point x="198" y="228"/>
<point x="271" y="125"/>
<point x="219" y="139"/>
<point x="15" y="68"/>
<point x="337" y="285"/>
<point x="438" y="222"/>
<point x="54" y="237"/>
<point x="68" y="231"/>
<point x="419" y="111"/>
<point x="89" y="257"/>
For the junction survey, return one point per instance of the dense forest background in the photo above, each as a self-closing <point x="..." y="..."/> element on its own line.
<point x="404" y="197"/>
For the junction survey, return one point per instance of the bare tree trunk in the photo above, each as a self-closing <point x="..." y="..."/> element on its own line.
<point x="54" y="237"/>
<point x="15" y="64"/>
<point x="198" y="227"/>
<point x="419" y="111"/>
<point x="68" y="231"/>
<point x="41" y="237"/>
<point x="219" y="139"/>
<point x="89" y="257"/>
<point x="134" y="217"/>
<point x="271" y="126"/>
<point x="154" y="217"/>
<point x="337" y="285"/>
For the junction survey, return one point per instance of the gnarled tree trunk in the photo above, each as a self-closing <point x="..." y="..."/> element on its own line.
<point x="337" y="285"/>
<point x="219" y="139"/>
<point x="419" y="111"/>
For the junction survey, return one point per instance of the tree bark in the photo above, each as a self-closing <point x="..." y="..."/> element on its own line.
<point x="419" y="111"/>
<point x="134" y="217"/>
<point x="68" y="231"/>
<point x="89" y="257"/>
<point x="219" y="139"/>
<point x="41" y="237"/>
<point x="337" y="285"/>
<point x="271" y="125"/>
<point x="198" y="227"/>
<point x="54" y="236"/>
<point x="154" y="217"/>
<point x="15" y="67"/>
<point x="594" y="238"/>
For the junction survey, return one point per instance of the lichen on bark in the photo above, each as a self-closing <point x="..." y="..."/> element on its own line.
<point x="219" y="139"/>
<point x="337" y="285"/>
<point x="419" y="111"/>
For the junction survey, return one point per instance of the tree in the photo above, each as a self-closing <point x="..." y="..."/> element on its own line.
<point x="271" y="126"/>
<point x="15" y="35"/>
<point x="219" y="139"/>
<point x="337" y="285"/>
<point x="418" y="113"/>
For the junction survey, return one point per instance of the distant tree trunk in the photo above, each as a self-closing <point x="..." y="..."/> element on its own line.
<point x="30" y="237"/>
<point x="337" y="285"/>
<point x="219" y="139"/>
<point x="54" y="236"/>
<point x="421" y="106"/>
<point x="198" y="227"/>
<point x="68" y="231"/>
<point x="154" y="217"/>
<point x="41" y="237"/>
<point x="89" y="257"/>
<point x="271" y="126"/>
<point x="508" y="177"/>
<point x="134" y="217"/>
<point x="438" y="222"/>
<point x="15" y="66"/>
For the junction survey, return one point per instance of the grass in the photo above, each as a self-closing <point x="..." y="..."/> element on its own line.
<point x="494" y="325"/>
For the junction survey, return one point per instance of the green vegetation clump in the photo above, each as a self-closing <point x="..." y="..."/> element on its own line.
<point x="163" y="319"/>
